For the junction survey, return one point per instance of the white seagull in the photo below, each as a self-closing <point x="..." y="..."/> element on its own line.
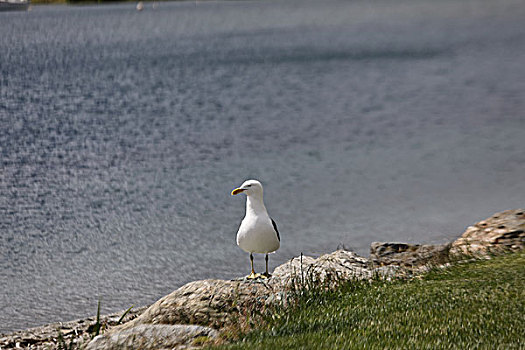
<point x="258" y="232"/>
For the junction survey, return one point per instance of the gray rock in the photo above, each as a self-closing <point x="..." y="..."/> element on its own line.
<point x="337" y="266"/>
<point x="210" y="303"/>
<point x="503" y="231"/>
<point x="217" y="303"/>
<point x="72" y="332"/>
<point x="158" y="337"/>
<point x="408" y="255"/>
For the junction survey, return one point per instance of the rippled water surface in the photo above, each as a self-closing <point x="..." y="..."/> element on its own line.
<point x="122" y="134"/>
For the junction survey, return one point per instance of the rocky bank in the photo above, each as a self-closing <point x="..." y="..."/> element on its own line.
<point x="197" y="312"/>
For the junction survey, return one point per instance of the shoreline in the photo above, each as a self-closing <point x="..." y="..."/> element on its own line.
<point x="192" y="305"/>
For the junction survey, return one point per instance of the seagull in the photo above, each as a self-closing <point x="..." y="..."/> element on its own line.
<point x="258" y="232"/>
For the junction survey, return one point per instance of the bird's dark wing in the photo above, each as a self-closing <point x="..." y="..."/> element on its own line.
<point x="276" y="230"/>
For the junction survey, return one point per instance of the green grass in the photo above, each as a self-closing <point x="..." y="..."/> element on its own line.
<point x="476" y="305"/>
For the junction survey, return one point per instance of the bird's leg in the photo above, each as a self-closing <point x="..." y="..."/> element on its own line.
<point x="253" y="274"/>
<point x="266" y="274"/>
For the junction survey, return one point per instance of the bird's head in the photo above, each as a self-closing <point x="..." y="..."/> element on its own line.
<point x="249" y="187"/>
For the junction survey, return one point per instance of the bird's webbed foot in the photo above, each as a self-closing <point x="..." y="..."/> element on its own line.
<point x="253" y="276"/>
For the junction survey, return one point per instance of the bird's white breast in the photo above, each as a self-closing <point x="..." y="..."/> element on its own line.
<point x="257" y="235"/>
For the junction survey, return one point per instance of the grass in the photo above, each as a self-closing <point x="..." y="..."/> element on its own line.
<point x="475" y="305"/>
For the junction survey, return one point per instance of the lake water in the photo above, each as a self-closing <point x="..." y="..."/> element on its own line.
<point x="122" y="134"/>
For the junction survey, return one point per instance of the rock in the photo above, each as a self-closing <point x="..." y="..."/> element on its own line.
<point x="339" y="265"/>
<point x="408" y="255"/>
<point x="158" y="337"/>
<point x="217" y="303"/>
<point x="210" y="303"/>
<point x="503" y="231"/>
<point x="72" y="332"/>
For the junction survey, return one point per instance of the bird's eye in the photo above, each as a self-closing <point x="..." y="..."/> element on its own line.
<point x="248" y="185"/>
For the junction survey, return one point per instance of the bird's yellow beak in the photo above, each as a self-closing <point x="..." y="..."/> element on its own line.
<point x="237" y="191"/>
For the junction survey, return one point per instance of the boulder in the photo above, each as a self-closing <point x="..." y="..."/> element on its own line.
<point x="155" y="337"/>
<point x="73" y="334"/>
<point x="408" y="255"/>
<point x="503" y="231"/>
<point x="336" y="266"/>
<point x="212" y="303"/>
<point x="217" y="303"/>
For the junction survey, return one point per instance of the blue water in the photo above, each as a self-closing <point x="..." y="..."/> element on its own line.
<point x="122" y="134"/>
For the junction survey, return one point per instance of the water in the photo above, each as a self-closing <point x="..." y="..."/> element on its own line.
<point x="122" y="134"/>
